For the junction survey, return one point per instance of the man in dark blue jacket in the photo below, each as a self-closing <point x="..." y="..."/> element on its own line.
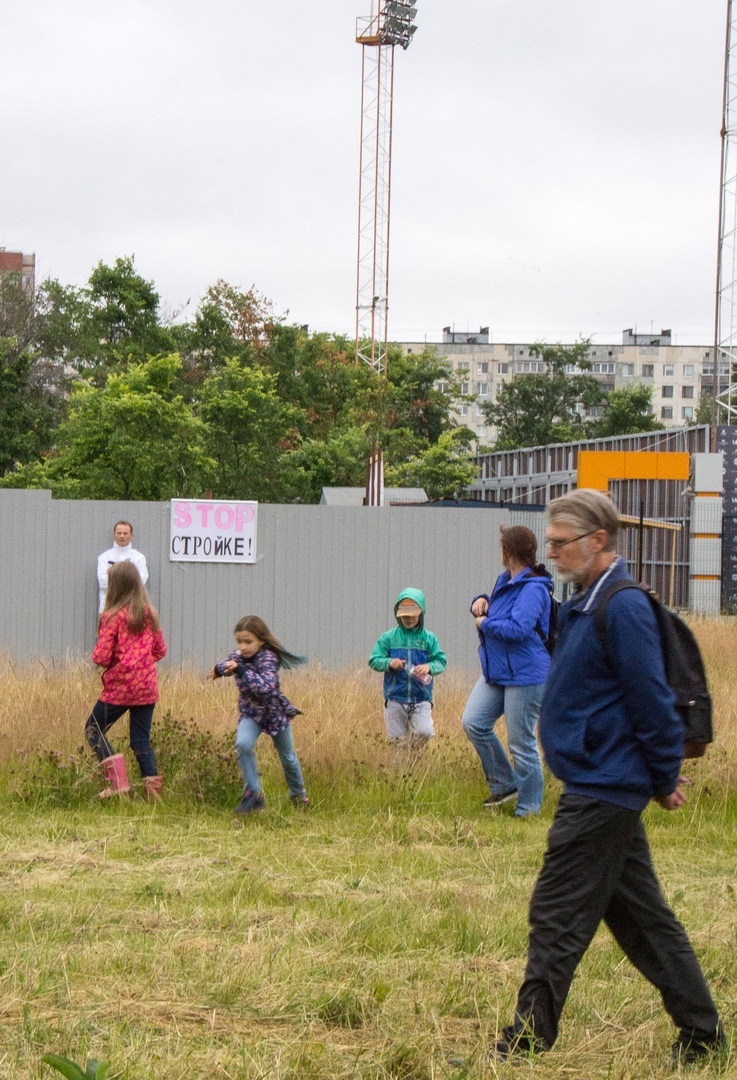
<point x="610" y="732"/>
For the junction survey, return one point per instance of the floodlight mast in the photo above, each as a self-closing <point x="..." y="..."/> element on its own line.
<point x="725" y="322"/>
<point x="377" y="34"/>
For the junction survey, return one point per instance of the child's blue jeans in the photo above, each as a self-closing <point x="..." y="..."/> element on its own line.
<point x="245" y="740"/>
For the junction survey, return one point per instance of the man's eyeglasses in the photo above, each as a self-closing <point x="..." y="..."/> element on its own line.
<point x="556" y="545"/>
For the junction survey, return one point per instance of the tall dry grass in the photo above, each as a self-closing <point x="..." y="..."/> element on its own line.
<point x="43" y="706"/>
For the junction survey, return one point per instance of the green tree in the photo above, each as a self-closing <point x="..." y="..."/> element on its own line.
<point x="229" y="324"/>
<point x="538" y="409"/>
<point x="111" y="322"/>
<point x="704" y="410"/>
<point x="29" y="411"/>
<point x="626" y="410"/>
<point x="249" y="433"/>
<point x="133" y="438"/>
<point x="443" y="470"/>
<point x="415" y="399"/>
<point x="338" y="461"/>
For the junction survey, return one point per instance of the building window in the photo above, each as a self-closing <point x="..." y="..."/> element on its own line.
<point x="463" y="410"/>
<point x="688" y="371"/>
<point x="464" y="387"/>
<point x="707" y="355"/>
<point x="443" y="387"/>
<point x="707" y="390"/>
<point x="668" y="370"/>
<point x="526" y="367"/>
<point x="481" y="431"/>
<point x="687" y="412"/>
<point x="667" y="391"/>
<point x="522" y="352"/>
<point x="707" y="369"/>
<point x="610" y="353"/>
<point x="503" y="369"/>
<point x="602" y="369"/>
<point x="483" y="368"/>
<point x="666" y="412"/>
<point x="462" y="365"/>
<point x="648" y="371"/>
<point x="482" y="389"/>
<point x="687" y="391"/>
<point x="628" y="369"/>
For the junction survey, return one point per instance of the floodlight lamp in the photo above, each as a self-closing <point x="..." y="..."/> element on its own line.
<point x="400" y="9"/>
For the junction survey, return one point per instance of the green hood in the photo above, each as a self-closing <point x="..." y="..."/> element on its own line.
<point x="419" y="598"/>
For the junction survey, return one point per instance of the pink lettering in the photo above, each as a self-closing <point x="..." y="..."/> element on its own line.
<point x="243" y="514"/>
<point x="224" y="517"/>
<point x="182" y="516"/>
<point x="204" y="509"/>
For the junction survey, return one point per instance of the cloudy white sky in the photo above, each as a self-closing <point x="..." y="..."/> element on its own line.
<point x="555" y="167"/>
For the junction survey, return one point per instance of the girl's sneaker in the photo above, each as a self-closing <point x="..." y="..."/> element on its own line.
<point x="252" y="800"/>
<point x="301" y="800"/>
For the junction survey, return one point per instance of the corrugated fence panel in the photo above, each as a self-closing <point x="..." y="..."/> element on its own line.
<point x="325" y="581"/>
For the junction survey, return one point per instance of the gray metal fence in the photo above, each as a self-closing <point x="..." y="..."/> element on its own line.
<point x="325" y="581"/>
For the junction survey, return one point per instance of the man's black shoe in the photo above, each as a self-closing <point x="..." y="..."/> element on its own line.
<point x="514" y="1042"/>
<point x="691" y="1050"/>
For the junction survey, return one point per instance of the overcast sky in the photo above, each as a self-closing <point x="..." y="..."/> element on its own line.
<point x="555" y="165"/>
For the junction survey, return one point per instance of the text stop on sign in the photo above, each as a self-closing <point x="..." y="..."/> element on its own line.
<point x="212" y="530"/>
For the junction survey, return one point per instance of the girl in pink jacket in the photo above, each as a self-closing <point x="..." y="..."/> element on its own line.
<point x="129" y="644"/>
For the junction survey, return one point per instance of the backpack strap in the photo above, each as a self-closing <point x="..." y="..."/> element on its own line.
<point x="603" y="603"/>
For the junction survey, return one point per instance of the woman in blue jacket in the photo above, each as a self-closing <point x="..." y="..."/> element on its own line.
<point x="513" y="625"/>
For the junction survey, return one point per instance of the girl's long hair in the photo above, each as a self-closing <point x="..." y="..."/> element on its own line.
<point x="520" y="543"/>
<point x="126" y="590"/>
<point x="251" y="624"/>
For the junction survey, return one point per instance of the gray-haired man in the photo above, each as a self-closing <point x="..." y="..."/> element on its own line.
<point x="610" y="732"/>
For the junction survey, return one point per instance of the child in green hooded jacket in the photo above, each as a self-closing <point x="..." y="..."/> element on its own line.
<point x="410" y="656"/>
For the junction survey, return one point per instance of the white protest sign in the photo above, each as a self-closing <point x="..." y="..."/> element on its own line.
<point x="212" y="530"/>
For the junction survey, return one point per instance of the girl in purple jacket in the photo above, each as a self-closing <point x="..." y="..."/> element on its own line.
<point x="262" y="707"/>
<point x="512" y="625"/>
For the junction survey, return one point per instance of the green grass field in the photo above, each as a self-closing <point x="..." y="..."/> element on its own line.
<point x="377" y="935"/>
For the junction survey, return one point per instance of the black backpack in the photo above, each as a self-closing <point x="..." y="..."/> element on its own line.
<point x="548" y="639"/>
<point x="684" y="667"/>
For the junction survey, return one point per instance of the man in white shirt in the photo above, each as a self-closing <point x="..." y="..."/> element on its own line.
<point x="121" y="550"/>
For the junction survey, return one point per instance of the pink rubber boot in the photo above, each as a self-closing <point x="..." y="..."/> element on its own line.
<point x="116" y="776"/>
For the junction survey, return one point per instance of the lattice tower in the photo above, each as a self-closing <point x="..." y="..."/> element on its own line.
<point x="725" y="323"/>
<point x="378" y="34"/>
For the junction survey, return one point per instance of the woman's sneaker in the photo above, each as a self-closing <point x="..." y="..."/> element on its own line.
<point x="252" y="800"/>
<point x="499" y="800"/>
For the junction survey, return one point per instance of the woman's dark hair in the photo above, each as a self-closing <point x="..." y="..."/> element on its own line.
<point x="251" y="624"/>
<point x="126" y="590"/>
<point x="520" y="543"/>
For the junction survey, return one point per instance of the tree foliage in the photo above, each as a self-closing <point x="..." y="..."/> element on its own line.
<point x="233" y="399"/>
<point x="249" y="433"/>
<point x="626" y="411"/>
<point x="134" y="438"/>
<point x="443" y="470"/>
<point x="547" y="407"/>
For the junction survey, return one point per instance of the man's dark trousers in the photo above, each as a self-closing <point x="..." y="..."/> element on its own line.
<point x="597" y="866"/>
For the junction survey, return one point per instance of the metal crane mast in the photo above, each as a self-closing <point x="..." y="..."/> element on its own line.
<point x="377" y="34"/>
<point x="725" y="322"/>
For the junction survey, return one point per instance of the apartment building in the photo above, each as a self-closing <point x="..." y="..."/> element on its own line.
<point x="680" y="375"/>
<point x="24" y="266"/>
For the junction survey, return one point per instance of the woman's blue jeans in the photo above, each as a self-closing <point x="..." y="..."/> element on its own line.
<point x="245" y="740"/>
<point x="521" y="708"/>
